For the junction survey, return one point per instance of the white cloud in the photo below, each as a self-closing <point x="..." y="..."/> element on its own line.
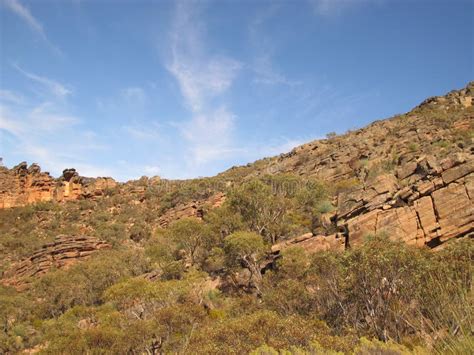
<point x="151" y="170"/>
<point x="284" y="146"/>
<point x="38" y="119"/>
<point x="8" y="124"/>
<point x="199" y="81"/>
<point x="10" y="96"/>
<point x="57" y="89"/>
<point x="46" y="117"/>
<point x="334" y="7"/>
<point x="267" y="74"/>
<point x="25" y="14"/>
<point x="47" y="134"/>
<point x="199" y="75"/>
<point x="209" y="135"/>
<point x="203" y="78"/>
<point x="265" y="70"/>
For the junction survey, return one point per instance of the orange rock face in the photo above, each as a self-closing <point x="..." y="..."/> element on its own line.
<point x="193" y="209"/>
<point x="23" y="185"/>
<point x="63" y="252"/>
<point x="437" y="205"/>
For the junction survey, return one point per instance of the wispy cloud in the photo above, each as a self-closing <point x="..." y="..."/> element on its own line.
<point x="284" y="145"/>
<point x="335" y="7"/>
<point x="25" y="14"/>
<point x="263" y="67"/>
<point x="151" y="170"/>
<point x="43" y="118"/>
<point x="143" y="131"/>
<point x="8" y="122"/>
<point x="10" y="96"/>
<point x="199" y="75"/>
<point x="57" y="89"/>
<point x="47" y="118"/>
<point x="49" y="134"/>
<point x="202" y="77"/>
<point x="199" y="81"/>
<point x="210" y="135"/>
<point x="267" y="74"/>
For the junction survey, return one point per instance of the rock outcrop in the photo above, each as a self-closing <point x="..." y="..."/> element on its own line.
<point x="426" y="205"/>
<point x="194" y="209"/>
<point x="63" y="252"/>
<point x="23" y="185"/>
<point x="313" y="243"/>
<point x="410" y="176"/>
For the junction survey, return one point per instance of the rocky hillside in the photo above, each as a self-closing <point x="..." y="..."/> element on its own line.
<point x="437" y="127"/>
<point x="155" y="266"/>
<point x="409" y="176"/>
<point x="63" y="252"/>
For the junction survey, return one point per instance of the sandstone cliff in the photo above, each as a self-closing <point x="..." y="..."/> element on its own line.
<point x="24" y="185"/>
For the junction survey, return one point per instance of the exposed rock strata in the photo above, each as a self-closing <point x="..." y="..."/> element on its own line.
<point x="426" y="207"/>
<point x="23" y="185"/>
<point x="63" y="252"/>
<point x="193" y="209"/>
<point x="434" y="206"/>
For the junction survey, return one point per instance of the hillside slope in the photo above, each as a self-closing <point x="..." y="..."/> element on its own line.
<point x="160" y="266"/>
<point x="410" y="175"/>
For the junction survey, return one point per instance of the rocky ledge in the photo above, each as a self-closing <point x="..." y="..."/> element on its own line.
<point x="63" y="252"/>
<point x="424" y="204"/>
<point x="193" y="209"/>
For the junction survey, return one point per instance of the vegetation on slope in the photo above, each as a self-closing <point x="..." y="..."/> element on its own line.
<point x="157" y="292"/>
<point x="214" y="285"/>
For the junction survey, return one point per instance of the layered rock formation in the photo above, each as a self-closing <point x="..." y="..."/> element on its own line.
<point x="423" y="204"/>
<point x="24" y="185"/>
<point x="193" y="209"/>
<point x="63" y="252"/>
<point x="313" y="243"/>
<point x="426" y="205"/>
<point x="410" y="177"/>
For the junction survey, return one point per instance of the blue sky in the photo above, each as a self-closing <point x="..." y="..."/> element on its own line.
<point x="190" y="88"/>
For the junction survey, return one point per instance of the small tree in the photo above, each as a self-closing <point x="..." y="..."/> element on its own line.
<point x="260" y="209"/>
<point x="246" y="249"/>
<point x="222" y="222"/>
<point x="190" y="235"/>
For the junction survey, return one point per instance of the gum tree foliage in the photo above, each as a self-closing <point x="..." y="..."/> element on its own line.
<point x="274" y="206"/>
<point x="260" y="208"/>
<point x="246" y="249"/>
<point x="190" y="235"/>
